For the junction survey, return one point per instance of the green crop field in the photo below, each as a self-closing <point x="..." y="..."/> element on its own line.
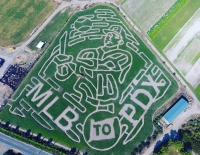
<point x="96" y="87"/>
<point x="19" y="17"/>
<point x="152" y="32"/>
<point x="166" y="34"/>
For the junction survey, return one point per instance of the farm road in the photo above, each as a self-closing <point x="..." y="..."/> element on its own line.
<point x="195" y="107"/>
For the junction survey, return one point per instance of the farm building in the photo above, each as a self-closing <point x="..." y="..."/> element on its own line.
<point x="175" y="111"/>
<point x="40" y="44"/>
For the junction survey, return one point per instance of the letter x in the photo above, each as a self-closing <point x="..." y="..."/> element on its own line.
<point x="153" y="83"/>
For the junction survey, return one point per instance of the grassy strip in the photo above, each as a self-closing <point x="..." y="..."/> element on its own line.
<point x="166" y="18"/>
<point x="122" y="2"/>
<point x="197" y="92"/>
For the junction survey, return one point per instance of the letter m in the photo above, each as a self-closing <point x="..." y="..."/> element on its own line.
<point x="37" y="96"/>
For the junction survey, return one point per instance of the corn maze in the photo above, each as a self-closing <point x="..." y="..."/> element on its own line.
<point x="94" y="87"/>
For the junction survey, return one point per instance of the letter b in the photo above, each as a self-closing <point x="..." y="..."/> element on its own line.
<point x="67" y="119"/>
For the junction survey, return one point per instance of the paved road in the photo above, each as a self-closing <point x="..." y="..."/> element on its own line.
<point x="23" y="147"/>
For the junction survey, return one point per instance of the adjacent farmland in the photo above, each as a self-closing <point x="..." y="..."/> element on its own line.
<point x="52" y="29"/>
<point x="19" y="17"/>
<point x="97" y="86"/>
<point x="145" y="13"/>
<point x="165" y="18"/>
<point x="183" y="49"/>
<point x="175" y="24"/>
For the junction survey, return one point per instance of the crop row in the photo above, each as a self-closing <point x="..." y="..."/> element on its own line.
<point x="153" y="31"/>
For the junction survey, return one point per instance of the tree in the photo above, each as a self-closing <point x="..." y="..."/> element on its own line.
<point x="164" y="150"/>
<point x="179" y="145"/>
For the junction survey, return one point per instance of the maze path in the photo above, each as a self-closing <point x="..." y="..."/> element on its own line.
<point x="93" y="85"/>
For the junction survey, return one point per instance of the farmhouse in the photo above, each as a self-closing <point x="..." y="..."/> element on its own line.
<point x="175" y="111"/>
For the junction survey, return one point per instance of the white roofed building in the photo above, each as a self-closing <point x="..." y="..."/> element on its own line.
<point x="40" y="44"/>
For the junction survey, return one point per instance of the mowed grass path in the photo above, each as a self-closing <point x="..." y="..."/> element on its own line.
<point x="19" y="17"/>
<point x="175" y="24"/>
